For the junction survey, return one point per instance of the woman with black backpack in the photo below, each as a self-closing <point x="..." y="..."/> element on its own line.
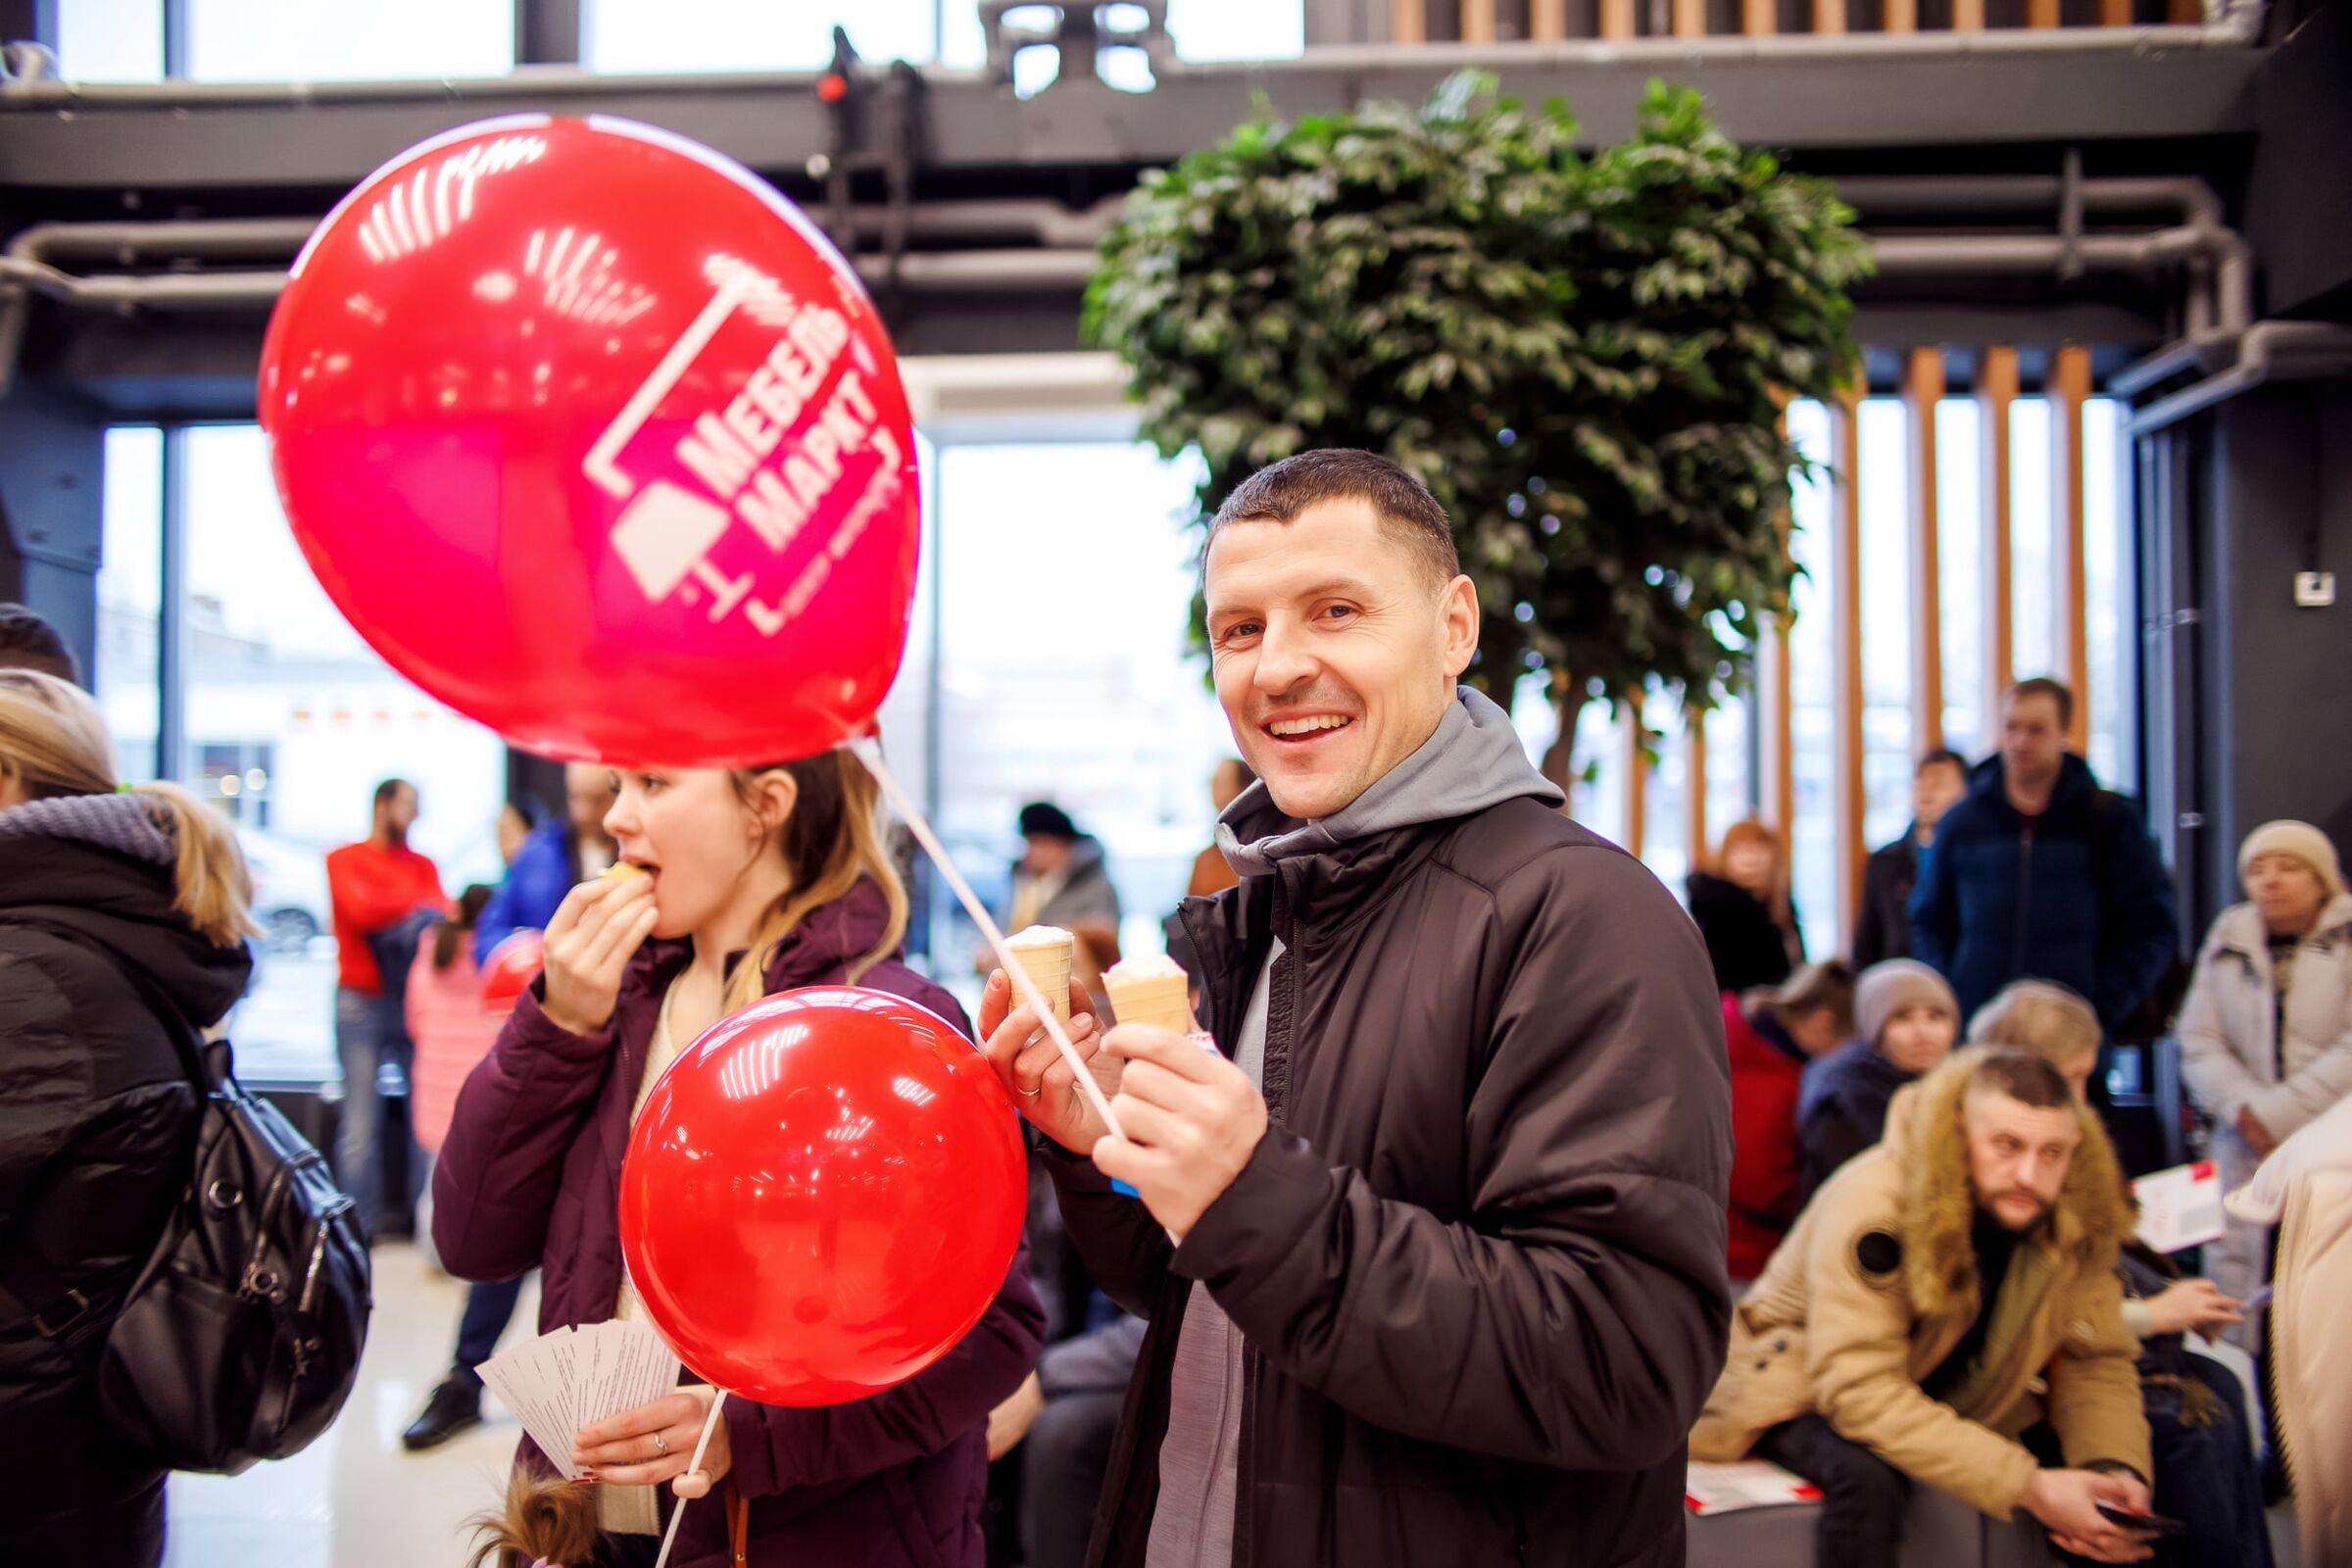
<point x="101" y="1116"/>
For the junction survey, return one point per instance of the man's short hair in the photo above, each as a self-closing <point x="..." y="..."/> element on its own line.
<point x="389" y="789"/>
<point x="2057" y="691"/>
<point x="1401" y="502"/>
<point x="2023" y="1076"/>
<point x="1043" y="820"/>
<point x="28" y="642"/>
<point x="1940" y="757"/>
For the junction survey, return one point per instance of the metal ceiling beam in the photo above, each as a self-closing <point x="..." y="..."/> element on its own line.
<point x="2016" y="87"/>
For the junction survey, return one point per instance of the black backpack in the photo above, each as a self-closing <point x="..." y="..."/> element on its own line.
<point x="240" y="1338"/>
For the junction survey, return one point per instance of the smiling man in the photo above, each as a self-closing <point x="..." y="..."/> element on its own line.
<point x="1434" y="1254"/>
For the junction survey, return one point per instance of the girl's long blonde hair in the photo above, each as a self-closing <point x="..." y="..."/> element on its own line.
<point x="832" y="839"/>
<point x="53" y="741"/>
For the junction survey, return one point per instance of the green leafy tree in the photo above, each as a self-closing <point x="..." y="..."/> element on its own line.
<point x="1584" y="358"/>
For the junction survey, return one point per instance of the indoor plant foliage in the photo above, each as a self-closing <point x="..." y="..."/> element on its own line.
<point x="1582" y="356"/>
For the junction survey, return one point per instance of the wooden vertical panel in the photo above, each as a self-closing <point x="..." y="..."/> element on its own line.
<point x="1616" y="18"/>
<point x="1547" y="19"/>
<point x="2185" y="13"/>
<point x="1968" y="16"/>
<point x="1922" y="386"/>
<point x="1478" y="20"/>
<point x="2115" y="13"/>
<point x="2069" y="389"/>
<point x="1408" y="22"/>
<point x="1829" y="17"/>
<point x="1902" y="16"/>
<point x="1997" y="390"/>
<point x="1777" y="715"/>
<point x="1690" y="19"/>
<point x="1695" y="782"/>
<point x="1636" y="776"/>
<point x="1759" y="19"/>
<point x="1846" y="602"/>
<point x="2042" y="13"/>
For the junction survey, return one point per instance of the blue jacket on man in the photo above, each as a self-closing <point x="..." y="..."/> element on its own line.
<point x="545" y="869"/>
<point x="2076" y="895"/>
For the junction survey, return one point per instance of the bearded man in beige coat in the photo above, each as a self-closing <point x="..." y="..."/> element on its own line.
<point x="1946" y="1311"/>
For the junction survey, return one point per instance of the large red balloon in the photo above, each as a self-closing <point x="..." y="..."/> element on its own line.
<point x="510" y="968"/>
<point x="822" y="1195"/>
<point x="596" y="439"/>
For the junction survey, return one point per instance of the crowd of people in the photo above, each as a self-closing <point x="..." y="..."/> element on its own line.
<point x="1511" y="1187"/>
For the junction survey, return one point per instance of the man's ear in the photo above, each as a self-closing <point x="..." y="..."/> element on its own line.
<point x="1458" y="605"/>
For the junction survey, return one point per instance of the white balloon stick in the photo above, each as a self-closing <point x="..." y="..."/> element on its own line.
<point x="869" y="752"/>
<point x="702" y="1445"/>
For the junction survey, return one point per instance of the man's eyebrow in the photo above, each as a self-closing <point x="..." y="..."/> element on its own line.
<point x="1328" y="588"/>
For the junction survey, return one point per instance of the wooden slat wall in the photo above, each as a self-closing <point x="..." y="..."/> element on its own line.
<point x="1845" y="606"/>
<point x="1695" y="783"/>
<point x="1780" y="736"/>
<point x="1547" y="19"/>
<point x="1636" y="772"/>
<point x="2069" y="389"/>
<point x="1922" y="386"/>
<point x="1997" y="390"/>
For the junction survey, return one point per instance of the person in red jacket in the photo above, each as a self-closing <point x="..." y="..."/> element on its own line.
<point x="375" y="886"/>
<point x="1771" y="1035"/>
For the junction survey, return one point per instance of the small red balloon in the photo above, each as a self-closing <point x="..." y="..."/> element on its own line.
<point x="510" y="968"/>
<point x="594" y="437"/>
<point x="821" y="1195"/>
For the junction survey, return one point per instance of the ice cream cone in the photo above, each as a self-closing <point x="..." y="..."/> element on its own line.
<point x="1151" y="990"/>
<point x="1044" y="953"/>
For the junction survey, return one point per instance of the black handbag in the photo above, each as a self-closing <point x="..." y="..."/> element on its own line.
<point x="240" y="1338"/>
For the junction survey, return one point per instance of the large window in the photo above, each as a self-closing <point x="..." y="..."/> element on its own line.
<point x="130" y="597"/>
<point x="290" y="719"/>
<point x="1066" y="577"/>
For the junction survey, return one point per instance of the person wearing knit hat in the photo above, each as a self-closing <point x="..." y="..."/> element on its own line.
<point x="1905" y="1020"/>
<point x="2295" y="841"/>
<point x="2265" y="1032"/>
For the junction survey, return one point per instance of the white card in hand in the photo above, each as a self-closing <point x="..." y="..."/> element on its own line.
<point x="2179" y="1208"/>
<point x="569" y="1378"/>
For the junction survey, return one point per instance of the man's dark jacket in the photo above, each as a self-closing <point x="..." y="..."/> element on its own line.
<point x="1883" y="929"/>
<point x="1478" y="1257"/>
<point x="2076" y="895"/>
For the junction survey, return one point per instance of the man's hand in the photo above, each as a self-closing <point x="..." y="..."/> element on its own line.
<point x="2256" y="1135"/>
<point x="622" y="1450"/>
<point x="1008" y="1423"/>
<point x="2198" y="1305"/>
<point x="1191" y="1120"/>
<point x="2067" y="1502"/>
<point x="1030" y="1065"/>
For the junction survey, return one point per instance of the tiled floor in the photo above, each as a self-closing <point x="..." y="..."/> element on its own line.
<point x="356" y="1498"/>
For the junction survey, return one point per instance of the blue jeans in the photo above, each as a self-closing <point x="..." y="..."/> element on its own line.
<point x="361" y="1034"/>
<point x="488" y="1310"/>
<point x="2205" y="1472"/>
<point x="1862" y="1495"/>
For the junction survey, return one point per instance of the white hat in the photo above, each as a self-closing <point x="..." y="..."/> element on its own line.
<point x="2300" y="839"/>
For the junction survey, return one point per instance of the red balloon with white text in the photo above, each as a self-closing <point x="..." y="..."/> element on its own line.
<point x="596" y="439"/>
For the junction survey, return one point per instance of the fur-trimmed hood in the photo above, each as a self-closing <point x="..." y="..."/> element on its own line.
<point x="1924" y="1133"/>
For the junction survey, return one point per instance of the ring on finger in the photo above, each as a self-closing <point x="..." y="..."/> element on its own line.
<point x="661" y="1446"/>
<point x="1034" y="1093"/>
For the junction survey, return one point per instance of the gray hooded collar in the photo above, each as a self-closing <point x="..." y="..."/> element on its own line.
<point x="1472" y="760"/>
